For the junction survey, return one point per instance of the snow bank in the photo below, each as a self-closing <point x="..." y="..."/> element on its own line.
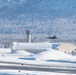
<point x="22" y="52"/>
<point x="53" y="54"/>
<point x="5" y="50"/>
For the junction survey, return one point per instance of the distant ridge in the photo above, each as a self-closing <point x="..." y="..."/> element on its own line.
<point x="41" y="16"/>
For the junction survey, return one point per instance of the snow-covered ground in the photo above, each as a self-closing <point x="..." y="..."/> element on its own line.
<point x="16" y="72"/>
<point x="45" y="59"/>
<point x="54" y="55"/>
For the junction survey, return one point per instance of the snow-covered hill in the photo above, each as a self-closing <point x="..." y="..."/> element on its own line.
<point x="56" y="17"/>
<point x="51" y="8"/>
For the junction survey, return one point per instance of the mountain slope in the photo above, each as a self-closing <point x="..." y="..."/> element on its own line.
<point x="41" y="16"/>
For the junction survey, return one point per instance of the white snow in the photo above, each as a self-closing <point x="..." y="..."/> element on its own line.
<point x="17" y="72"/>
<point x="54" y="54"/>
<point x="5" y="50"/>
<point x="15" y="54"/>
<point x="22" y="52"/>
<point x="41" y="58"/>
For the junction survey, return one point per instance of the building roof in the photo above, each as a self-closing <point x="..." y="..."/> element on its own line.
<point x="66" y="47"/>
<point x="31" y="46"/>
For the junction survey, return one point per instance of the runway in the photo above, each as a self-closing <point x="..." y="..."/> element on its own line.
<point x="38" y="68"/>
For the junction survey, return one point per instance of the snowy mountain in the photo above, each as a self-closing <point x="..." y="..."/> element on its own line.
<point x="41" y="16"/>
<point x="51" y="8"/>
